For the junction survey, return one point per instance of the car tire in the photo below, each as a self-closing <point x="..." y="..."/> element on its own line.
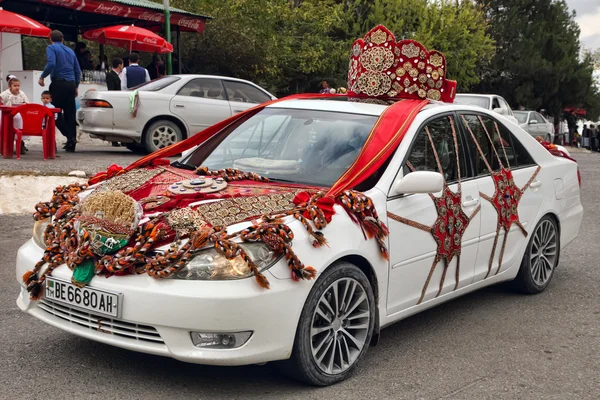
<point x="317" y="359"/>
<point x="160" y="134"/>
<point x="540" y="258"/>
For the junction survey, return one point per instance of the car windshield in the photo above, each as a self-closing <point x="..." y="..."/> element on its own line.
<point x="521" y="116"/>
<point x="157" y="84"/>
<point x="473" y="101"/>
<point x="300" y="146"/>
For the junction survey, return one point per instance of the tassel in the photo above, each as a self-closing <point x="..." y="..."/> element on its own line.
<point x="29" y="276"/>
<point x="319" y="239"/>
<point x="372" y="228"/>
<point x="35" y="290"/>
<point x="262" y="280"/>
<point x="309" y="273"/>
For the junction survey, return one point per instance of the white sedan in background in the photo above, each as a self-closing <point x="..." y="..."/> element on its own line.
<point x="445" y="188"/>
<point x="535" y="124"/>
<point x="171" y="109"/>
<point x="490" y="102"/>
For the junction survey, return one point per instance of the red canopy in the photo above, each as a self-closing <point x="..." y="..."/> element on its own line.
<point x="131" y="37"/>
<point x="19" y="24"/>
<point x="577" y="111"/>
<point x="124" y="9"/>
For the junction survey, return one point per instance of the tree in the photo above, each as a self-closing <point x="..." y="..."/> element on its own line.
<point x="537" y="63"/>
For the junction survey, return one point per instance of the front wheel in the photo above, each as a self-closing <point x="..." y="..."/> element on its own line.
<point x="540" y="259"/>
<point x="335" y="327"/>
<point x="161" y="134"/>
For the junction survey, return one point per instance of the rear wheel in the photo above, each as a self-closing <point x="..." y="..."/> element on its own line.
<point x="160" y="134"/>
<point x="335" y="327"/>
<point x="540" y="259"/>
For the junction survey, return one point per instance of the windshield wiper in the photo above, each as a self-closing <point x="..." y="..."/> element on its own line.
<point x="181" y="165"/>
<point x="281" y="180"/>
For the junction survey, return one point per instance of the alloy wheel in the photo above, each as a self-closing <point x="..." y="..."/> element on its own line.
<point x="543" y="252"/>
<point x="163" y="136"/>
<point x="340" y="326"/>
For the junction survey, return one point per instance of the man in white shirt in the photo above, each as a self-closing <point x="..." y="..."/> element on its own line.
<point x="133" y="75"/>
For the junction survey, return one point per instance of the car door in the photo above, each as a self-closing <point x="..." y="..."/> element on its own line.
<point x="201" y="103"/>
<point x="417" y="272"/>
<point x="242" y="95"/>
<point x="492" y="146"/>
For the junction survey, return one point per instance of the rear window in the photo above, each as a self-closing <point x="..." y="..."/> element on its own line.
<point x="473" y="101"/>
<point x="157" y="84"/>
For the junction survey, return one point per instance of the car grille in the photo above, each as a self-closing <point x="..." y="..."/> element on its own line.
<point x="99" y="323"/>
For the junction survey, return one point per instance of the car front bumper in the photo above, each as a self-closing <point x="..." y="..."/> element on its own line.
<point x="158" y="316"/>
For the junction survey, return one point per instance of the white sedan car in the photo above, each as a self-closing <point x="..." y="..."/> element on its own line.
<point x="490" y="102"/>
<point x="535" y="124"/>
<point x="171" y="108"/>
<point x="468" y="200"/>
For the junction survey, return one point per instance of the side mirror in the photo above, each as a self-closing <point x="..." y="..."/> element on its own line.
<point x="419" y="182"/>
<point x="533" y="121"/>
<point x="500" y="111"/>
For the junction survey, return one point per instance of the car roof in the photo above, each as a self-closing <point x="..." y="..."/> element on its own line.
<point x="195" y="76"/>
<point x="476" y="95"/>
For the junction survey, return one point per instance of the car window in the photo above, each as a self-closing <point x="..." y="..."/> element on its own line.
<point x="242" y="92"/>
<point x="521" y="116"/>
<point x="157" y="84"/>
<point x="203" y="87"/>
<point x="495" y="103"/>
<point x="479" y="101"/>
<point x="498" y="147"/>
<point x="540" y="118"/>
<point x="423" y="158"/>
<point x="504" y="105"/>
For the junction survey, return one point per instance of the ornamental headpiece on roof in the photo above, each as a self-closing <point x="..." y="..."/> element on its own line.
<point x="383" y="68"/>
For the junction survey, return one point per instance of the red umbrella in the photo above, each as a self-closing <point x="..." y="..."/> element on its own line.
<point x="130" y="37"/>
<point x="21" y="25"/>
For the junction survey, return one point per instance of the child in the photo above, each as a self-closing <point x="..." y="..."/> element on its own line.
<point x="47" y="102"/>
<point x="13" y="96"/>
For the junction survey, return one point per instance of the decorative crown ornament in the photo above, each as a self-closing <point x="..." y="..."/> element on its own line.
<point x="383" y="68"/>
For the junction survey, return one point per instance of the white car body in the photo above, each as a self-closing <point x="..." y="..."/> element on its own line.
<point x="490" y="102"/>
<point x="191" y="102"/>
<point x="157" y="316"/>
<point x="535" y="124"/>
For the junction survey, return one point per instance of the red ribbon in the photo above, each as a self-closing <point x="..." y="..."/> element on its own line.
<point x="325" y="204"/>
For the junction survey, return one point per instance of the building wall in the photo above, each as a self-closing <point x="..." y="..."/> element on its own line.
<point x="11" y="57"/>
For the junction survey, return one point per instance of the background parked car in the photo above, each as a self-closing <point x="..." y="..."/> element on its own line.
<point x="171" y="108"/>
<point x="490" y="102"/>
<point x="535" y="124"/>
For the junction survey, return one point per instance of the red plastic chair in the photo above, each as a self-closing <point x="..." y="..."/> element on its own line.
<point x="33" y="116"/>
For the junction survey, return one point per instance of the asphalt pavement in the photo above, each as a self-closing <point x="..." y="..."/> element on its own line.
<point x="492" y="344"/>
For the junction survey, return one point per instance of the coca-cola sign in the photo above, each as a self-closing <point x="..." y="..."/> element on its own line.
<point x="148" y="40"/>
<point x="192" y="23"/>
<point x="10" y="30"/>
<point x="110" y="10"/>
<point x="150" y="16"/>
<point x="64" y="3"/>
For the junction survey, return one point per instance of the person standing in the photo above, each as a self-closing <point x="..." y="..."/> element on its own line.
<point x="572" y="125"/>
<point x="133" y="75"/>
<point x="156" y="68"/>
<point x="63" y="68"/>
<point x="113" y="80"/>
<point x="325" y="89"/>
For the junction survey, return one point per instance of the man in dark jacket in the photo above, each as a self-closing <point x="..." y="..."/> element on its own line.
<point x="134" y="75"/>
<point x="156" y="68"/>
<point x="113" y="81"/>
<point x="63" y="68"/>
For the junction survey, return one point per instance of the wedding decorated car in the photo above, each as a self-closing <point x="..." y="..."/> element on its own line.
<point x="297" y="230"/>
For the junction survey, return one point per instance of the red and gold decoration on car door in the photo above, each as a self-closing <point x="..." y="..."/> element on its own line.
<point x="450" y="224"/>
<point x="506" y="195"/>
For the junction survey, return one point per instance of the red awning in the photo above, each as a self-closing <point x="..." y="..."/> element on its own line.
<point x="577" y="111"/>
<point x="187" y="22"/>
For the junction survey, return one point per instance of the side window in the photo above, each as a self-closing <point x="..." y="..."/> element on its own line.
<point x="203" y="87"/>
<point x="495" y="103"/>
<point x="540" y="118"/>
<point x="423" y="158"/>
<point x="498" y="147"/>
<point x="504" y="105"/>
<point x="242" y="92"/>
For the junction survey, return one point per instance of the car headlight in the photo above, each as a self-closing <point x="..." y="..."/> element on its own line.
<point x="38" y="231"/>
<point x="208" y="264"/>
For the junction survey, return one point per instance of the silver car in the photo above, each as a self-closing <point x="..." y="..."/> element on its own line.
<point x="535" y="124"/>
<point x="170" y="109"/>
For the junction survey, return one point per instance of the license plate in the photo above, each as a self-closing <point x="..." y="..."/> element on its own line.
<point x="95" y="300"/>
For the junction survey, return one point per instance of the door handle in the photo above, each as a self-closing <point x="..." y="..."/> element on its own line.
<point x="470" y="202"/>
<point x="179" y="106"/>
<point x="535" y="184"/>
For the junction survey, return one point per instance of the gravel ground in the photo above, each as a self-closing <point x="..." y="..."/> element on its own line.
<point x="492" y="344"/>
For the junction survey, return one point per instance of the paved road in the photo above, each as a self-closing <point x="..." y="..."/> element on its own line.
<point x="493" y="344"/>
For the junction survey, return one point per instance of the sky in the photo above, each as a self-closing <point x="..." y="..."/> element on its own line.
<point x="588" y="18"/>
